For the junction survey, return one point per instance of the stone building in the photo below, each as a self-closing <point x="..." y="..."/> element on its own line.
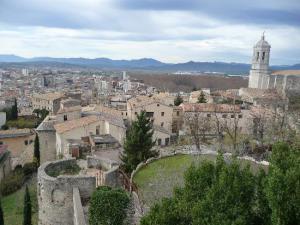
<point x="20" y="143"/>
<point x="48" y="101"/>
<point x="63" y="197"/>
<point x="209" y="113"/>
<point x="259" y="73"/>
<point x="286" y="82"/>
<point x="160" y="114"/>
<point x="97" y="124"/>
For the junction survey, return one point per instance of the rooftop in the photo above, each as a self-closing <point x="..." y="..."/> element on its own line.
<point x="69" y="109"/>
<point x="260" y="93"/>
<point x="15" y="133"/>
<point x="286" y="72"/>
<point x="49" y="96"/>
<point x="73" y="124"/>
<point x="210" y="107"/>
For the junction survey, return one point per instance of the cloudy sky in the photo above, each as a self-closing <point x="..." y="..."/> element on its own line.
<point x="167" y="30"/>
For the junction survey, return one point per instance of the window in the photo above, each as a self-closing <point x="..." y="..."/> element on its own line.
<point x="158" y="141"/>
<point x="208" y="115"/>
<point x="122" y="113"/>
<point x="167" y="140"/>
<point x="157" y="105"/>
<point x="224" y="115"/>
<point x="232" y="116"/>
<point x="257" y="56"/>
<point x="162" y="124"/>
<point x="263" y="56"/>
<point x="26" y="142"/>
<point x="126" y="113"/>
<point x="1" y="142"/>
<point x="240" y="116"/>
<point x="65" y="117"/>
<point x="135" y="113"/>
<point x="30" y="141"/>
<point x="177" y="113"/>
<point x="149" y="114"/>
<point x="97" y="130"/>
<point x="162" y="113"/>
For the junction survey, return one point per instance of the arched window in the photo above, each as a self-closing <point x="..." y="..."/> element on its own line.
<point x="263" y="56"/>
<point x="257" y="56"/>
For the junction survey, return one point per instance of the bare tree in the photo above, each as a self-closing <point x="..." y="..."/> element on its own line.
<point x="218" y="128"/>
<point x="199" y="125"/>
<point x="232" y="128"/>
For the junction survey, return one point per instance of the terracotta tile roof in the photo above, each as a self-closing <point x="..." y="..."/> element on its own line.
<point x="69" y="109"/>
<point x="142" y="100"/>
<point x="209" y="107"/>
<point x="15" y="133"/>
<point x="286" y="72"/>
<point x="49" y="96"/>
<point x="73" y="124"/>
<point x="259" y="93"/>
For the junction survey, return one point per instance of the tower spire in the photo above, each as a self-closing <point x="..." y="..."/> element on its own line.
<point x="263" y="35"/>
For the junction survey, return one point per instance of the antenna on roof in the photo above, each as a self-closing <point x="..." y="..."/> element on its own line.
<point x="263" y="35"/>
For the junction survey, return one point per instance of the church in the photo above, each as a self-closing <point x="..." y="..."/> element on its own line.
<point x="285" y="82"/>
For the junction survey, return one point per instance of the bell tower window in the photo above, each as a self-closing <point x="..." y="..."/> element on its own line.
<point x="263" y="56"/>
<point x="257" y="56"/>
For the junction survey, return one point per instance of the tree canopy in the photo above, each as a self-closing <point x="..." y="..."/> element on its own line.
<point x="37" y="150"/>
<point x="138" y="143"/>
<point x="27" y="208"/>
<point x="178" y="100"/>
<point x="201" y="98"/>
<point x="227" y="193"/>
<point x="1" y="214"/>
<point x="108" y="206"/>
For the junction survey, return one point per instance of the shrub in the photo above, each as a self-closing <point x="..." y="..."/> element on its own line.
<point x="29" y="168"/>
<point x="108" y="206"/>
<point x="11" y="183"/>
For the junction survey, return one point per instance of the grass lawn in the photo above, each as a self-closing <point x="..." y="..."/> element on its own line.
<point x="12" y="205"/>
<point x="158" y="179"/>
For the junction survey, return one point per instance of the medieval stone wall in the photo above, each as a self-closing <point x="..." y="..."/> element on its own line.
<point x="55" y="194"/>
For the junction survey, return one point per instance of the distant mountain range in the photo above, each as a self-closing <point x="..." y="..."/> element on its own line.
<point x="137" y="64"/>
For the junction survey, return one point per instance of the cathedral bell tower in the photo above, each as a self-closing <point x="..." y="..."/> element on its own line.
<point x="259" y="73"/>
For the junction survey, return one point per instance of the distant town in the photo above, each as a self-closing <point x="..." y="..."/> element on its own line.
<point x="67" y="131"/>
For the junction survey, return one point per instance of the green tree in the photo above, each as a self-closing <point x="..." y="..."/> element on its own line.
<point x="27" y="208"/>
<point x="213" y="193"/>
<point x="138" y="143"/>
<point x="283" y="186"/>
<point x="14" y="110"/>
<point x="37" y="150"/>
<point x="201" y="98"/>
<point x="108" y="206"/>
<point x="178" y="100"/>
<point x="1" y="215"/>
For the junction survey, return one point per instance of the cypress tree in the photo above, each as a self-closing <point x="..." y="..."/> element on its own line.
<point x="37" y="150"/>
<point x="201" y="98"/>
<point x="138" y="143"/>
<point x="14" y="110"/>
<point x="1" y="215"/>
<point x="27" y="208"/>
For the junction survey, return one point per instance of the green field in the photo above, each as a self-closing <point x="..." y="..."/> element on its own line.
<point x="12" y="206"/>
<point x="158" y="179"/>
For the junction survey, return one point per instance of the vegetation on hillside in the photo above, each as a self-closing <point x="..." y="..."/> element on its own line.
<point x="225" y="193"/>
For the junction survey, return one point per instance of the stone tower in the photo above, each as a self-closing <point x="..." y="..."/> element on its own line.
<point x="259" y="73"/>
